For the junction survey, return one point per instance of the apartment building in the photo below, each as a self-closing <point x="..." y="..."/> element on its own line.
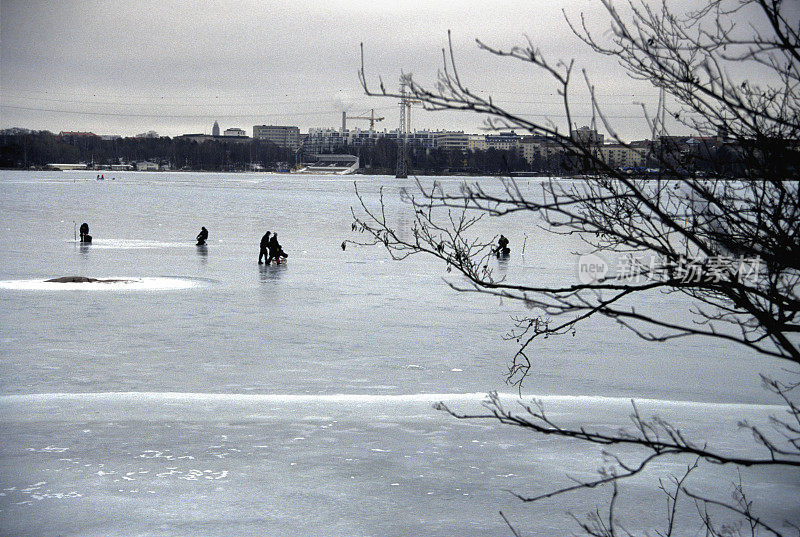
<point x="539" y="148"/>
<point x="476" y="142"/>
<point x="623" y="156"/>
<point x="452" y="140"/>
<point x="587" y="136"/>
<point x="280" y="135"/>
<point x="503" y="141"/>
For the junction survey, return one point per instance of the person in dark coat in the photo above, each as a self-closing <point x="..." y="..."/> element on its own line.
<point x="275" y="250"/>
<point x="264" y="249"/>
<point x="84" y="230"/>
<point x="202" y="236"/>
<point x="502" y="247"/>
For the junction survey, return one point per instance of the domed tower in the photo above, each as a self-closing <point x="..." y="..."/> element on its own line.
<point x="215" y="129"/>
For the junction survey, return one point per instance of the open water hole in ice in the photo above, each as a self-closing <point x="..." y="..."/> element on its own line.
<point x="305" y="340"/>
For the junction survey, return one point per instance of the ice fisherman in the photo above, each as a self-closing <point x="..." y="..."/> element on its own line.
<point x="264" y="249"/>
<point x="84" y="231"/>
<point x="275" y="250"/>
<point x="502" y="247"/>
<point x="202" y="236"/>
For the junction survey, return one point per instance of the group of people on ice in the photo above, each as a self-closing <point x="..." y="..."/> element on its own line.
<point x="271" y="249"/>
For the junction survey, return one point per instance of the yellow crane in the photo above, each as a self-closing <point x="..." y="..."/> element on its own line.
<point x="371" y="117"/>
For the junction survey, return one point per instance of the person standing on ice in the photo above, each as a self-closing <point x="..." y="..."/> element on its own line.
<point x="264" y="249"/>
<point x="502" y="247"/>
<point x="84" y="230"/>
<point x="275" y="250"/>
<point x="202" y="236"/>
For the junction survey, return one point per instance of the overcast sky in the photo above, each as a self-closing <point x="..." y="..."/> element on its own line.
<point x="130" y="66"/>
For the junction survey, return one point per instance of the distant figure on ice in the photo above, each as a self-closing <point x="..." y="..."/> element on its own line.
<point x="202" y="236"/>
<point x="264" y="249"/>
<point x="275" y="250"/>
<point x="84" y="230"/>
<point x="502" y="247"/>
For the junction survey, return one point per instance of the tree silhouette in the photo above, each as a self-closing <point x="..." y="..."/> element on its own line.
<point x="731" y="245"/>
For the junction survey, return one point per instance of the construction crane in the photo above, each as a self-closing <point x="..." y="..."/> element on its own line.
<point x="409" y="102"/>
<point x="371" y="117"/>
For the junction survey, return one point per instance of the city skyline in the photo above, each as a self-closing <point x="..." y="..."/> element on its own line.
<point x="114" y="68"/>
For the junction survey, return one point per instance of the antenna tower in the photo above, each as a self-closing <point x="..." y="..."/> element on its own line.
<point x="658" y="121"/>
<point x="402" y="169"/>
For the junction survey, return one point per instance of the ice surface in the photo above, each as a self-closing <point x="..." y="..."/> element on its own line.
<point x="134" y="244"/>
<point x="234" y="464"/>
<point x="228" y="398"/>
<point x="114" y="283"/>
<point x="126" y="404"/>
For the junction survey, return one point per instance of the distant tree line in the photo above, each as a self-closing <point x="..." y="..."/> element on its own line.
<point x="673" y="155"/>
<point x="381" y="157"/>
<point x="22" y="149"/>
<point x="25" y="149"/>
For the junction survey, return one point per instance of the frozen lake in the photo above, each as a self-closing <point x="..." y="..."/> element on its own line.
<point x="213" y="396"/>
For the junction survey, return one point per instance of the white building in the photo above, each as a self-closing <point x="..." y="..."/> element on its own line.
<point x="233" y="131"/>
<point x="452" y="140"/>
<point x="146" y="166"/>
<point x="322" y="140"/>
<point x="280" y="135"/>
<point x="503" y="141"/>
<point x="361" y="138"/>
<point x="476" y="142"/>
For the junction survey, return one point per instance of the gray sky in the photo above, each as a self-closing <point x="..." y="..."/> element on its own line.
<point x="130" y="66"/>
